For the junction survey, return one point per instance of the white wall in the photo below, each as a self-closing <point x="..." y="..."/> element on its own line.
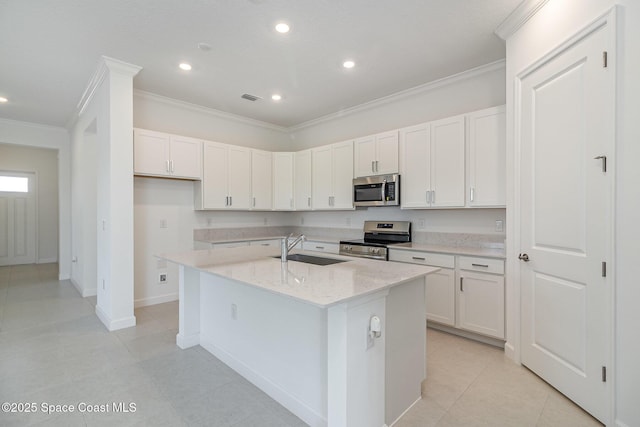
<point x="44" y="162"/>
<point x="469" y="91"/>
<point x="34" y="135"/>
<point x="553" y="24"/>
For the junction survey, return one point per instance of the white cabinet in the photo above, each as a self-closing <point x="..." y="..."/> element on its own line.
<point x="164" y="155"/>
<point x="332" y="172"/>
<point x="261" y="180"/>
<point x="481" y="295"/>
<point x="270" y="243"/>
<point x="302" y="180"/>
<point x="376" y="154"/>
<point x="440" y="293"/>
<point x="283" y="181"/>
<point x="432" y="164"/>
<point x="226" y="180"/>
<point x="486" y="158"/>
<point x="316" y="246"/>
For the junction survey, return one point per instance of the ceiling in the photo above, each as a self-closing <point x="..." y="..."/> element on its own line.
<point x="50" y="49"/>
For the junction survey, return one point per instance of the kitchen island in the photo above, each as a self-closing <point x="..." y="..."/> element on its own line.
<point x="301" y="332"/>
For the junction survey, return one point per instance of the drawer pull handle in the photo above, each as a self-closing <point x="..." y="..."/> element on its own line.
<point x="480" y="265"/>
<point x="419" y="258"/>
<point x="461" y="285"/>
<point x="319" y="247"/>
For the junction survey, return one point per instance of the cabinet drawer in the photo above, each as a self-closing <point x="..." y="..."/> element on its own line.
<point x="486" y="265"/>
<point x="270" y="242"/>
<point x="424" y="258"/>
<point x="310" y="245"/>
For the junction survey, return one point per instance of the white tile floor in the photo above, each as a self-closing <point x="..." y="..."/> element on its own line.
<point x="54" y="350"/>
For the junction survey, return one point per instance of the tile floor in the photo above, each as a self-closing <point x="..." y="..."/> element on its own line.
<point x="54" y="350"/>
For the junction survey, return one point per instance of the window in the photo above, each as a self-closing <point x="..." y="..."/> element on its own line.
<point x="16" y="184"/>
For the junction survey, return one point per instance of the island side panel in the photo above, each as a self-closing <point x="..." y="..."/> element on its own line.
<point x="356" y="364"/>
<point x="406" y="347"/>
<point x="188" y="307"/>
<point x="277" y="343"/>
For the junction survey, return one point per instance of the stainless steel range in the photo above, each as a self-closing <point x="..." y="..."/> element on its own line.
<point x="378" y="235"/>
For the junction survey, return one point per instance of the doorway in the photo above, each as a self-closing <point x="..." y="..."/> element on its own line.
<point x="18" y="231"/>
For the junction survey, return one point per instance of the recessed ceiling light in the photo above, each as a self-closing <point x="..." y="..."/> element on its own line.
<point x="282" y="28"/>
<point x="3" y="99"/>
<point x="184" y="66"/>
<point x="348" y="64"/>
<point x="276" y="97"/>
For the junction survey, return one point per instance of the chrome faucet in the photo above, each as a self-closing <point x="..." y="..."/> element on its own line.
<point x="285" y="246"/>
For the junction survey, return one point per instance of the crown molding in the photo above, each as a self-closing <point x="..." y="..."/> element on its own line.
<point x="436" y="84"/>
<point x="516" y="19"/>
<point x="106" y="65"/>
<point x="11" y="122"/>
<point x="206" y="110"/>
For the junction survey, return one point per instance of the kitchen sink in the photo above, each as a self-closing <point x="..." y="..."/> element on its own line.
<point x="315" y="260"/>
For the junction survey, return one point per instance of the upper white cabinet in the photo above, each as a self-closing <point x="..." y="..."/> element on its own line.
<point x="486" y="157"/>
<point x="432" y="164"/>
<point x="332" y="171"/>
<point x="376" y="154"/>
<point x="302" y="180"/>
<point x="226" y="180"/>
<point x="261" y="180"/>
<point x="283" y="181"/>
<point x="165" y="155"/>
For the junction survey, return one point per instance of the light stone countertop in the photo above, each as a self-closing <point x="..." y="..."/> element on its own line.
<point x="321" y="286"/>
<point x="257" y="239"/>
<point x="453" y="250"/>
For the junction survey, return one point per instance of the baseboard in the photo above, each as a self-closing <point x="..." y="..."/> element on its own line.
<point x="470" y="335"/>
<point x="405" y="411"/>
<point x="143" y="302"/>
<point x="114" y="325"/>
<point x="301" y="410"/>
<point x="53" y="260"/>
<point x="184" y="341"/>
<point x="510" y="352"/>
<point x="84" y="292"/>
<point x="76" y="285"/>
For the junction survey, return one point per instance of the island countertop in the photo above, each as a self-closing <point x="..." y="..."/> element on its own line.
<point x="321" y="286"/>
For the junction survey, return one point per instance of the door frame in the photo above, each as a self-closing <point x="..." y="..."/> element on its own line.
<point x="5" y="172"/>
<point x="609" y="20"/>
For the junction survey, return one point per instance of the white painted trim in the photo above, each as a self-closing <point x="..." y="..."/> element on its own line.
<point x="621" y="424"/>
<point x="114" y="325"/>
<point x="304" y="412"/>
<point x="519" y="17"/>
<point x="52" y="260"/>
<point x="186" y="341"/>
<point x="83" y="292"/>
<point x="405" y="412"/>
<point x="205" y="110"/>
<point x="143" y="302"/>
<point x="436" y="84"/>
<point x="12" y="122"/>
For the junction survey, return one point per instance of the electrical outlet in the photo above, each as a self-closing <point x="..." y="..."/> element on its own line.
<point x="499" y="225"/>
<point x="234" y="312"/>
<point x="422" y="223"/>
<point x="266" y="221"/>
<point x="209" y="221"/>
<point x="163" y="223"/>
<point x="301" y="220"/>
<point x="162" y="278"/>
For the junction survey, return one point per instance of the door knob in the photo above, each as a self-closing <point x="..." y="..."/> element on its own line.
<point x="524" y="257"/>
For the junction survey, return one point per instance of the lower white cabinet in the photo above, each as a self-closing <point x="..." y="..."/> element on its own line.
<point x="467" y="293"/>
<point x="312" y="245"/>
<point x="270" y="242"/>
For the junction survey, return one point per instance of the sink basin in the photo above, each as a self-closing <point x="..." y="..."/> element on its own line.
<point x="315" y="260"/>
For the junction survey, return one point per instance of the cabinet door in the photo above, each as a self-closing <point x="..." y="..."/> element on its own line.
<point x="261" y="180"/>
<point x="481" y="303"/>
<point x="415" y="159"/>
<point x="283" y="181"/>
<point x="447" y="162"/>
<point x="239" y="167"/>
<point x="150" y="153"/>
<point x="387" y="153"/>
<point x="302" y="182"/>
<point x="342" y="160"/>
<point x="322" y="177"/>
<point x="440" y="296"/>
<point x="487" y="157"/>
<point x="364" y="156"/>
<point x="186" y="157"/>
<point x="214" y="176"/>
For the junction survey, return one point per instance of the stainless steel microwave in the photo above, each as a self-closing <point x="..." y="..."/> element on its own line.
<point x="379" y="190"/>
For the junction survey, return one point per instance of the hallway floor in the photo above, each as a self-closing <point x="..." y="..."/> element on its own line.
<point x="55" y="351"/>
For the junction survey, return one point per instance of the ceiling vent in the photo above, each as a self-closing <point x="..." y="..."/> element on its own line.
<point x="250" y="97"/>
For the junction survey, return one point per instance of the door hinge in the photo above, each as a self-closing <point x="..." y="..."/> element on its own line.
<point x="604" y="374"/>
<point x="604" y="59"/>
<point x="604" y="269"/>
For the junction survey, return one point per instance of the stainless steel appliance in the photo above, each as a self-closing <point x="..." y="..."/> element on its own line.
<point x="378" y="235"/>
<point x="379" y="190"/>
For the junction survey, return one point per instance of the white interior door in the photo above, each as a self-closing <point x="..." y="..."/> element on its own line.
<point x="565" y="115"/>
<point x="17" y="218"/>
